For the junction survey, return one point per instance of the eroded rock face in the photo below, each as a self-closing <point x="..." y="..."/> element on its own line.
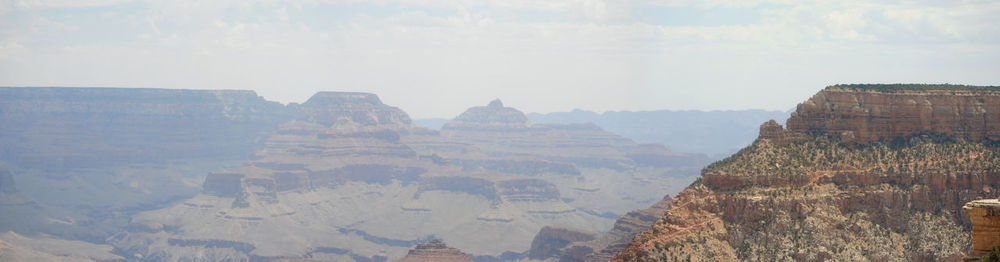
<point x="327" y="108"/>
<point x="89" y="127"/>
<point x="984" y="215"/>
<point x="578" y="245"/>
<point x="435" y="250"/>
<point x="814" y="197"/>
<point x="350" y="179"/>
<point x="492" y="116"/>
<point x="862" y="113"/>
<point x="550" y="240"/>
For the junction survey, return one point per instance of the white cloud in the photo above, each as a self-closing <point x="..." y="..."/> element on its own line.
<point x="599" y="58"/>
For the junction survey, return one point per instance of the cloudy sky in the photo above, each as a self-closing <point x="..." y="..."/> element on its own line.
<point x="436" y="58"/>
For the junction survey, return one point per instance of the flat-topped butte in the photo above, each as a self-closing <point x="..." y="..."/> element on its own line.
<point x="914" y="87"/>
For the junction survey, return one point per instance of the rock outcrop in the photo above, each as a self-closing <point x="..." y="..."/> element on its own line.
<point x="434" y="251"/>
<point x="984" y="215"/>
<point x="914" y="155"/>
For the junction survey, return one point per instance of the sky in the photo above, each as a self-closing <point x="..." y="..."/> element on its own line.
<point x="437" y="58"/>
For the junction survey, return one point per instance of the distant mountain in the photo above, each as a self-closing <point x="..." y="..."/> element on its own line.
<point x="715" y="133"/>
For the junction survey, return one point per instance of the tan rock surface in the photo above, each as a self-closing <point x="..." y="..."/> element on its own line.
<point x="985" y="219"/>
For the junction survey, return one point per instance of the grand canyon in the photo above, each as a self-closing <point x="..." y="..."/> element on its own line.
<point x="188" y="175"/>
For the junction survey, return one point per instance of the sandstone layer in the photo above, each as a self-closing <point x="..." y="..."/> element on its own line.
<point x="857" y="166"/>
<point x="866" y="113"/>
<point x="984" y="215"/>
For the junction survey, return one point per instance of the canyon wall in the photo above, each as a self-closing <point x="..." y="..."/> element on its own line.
<point x="886" y="164"/>
<point x="866" y="113"/>
<point x="166" y="175"/>
<point x="88" y="127"/>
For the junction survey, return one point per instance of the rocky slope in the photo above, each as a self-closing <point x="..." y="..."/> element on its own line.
<point x="568" y="244"/>
<point x="859" y="164"/>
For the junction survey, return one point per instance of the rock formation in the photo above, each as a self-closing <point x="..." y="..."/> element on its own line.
<point x="891" y="165"/>
<point x="167" y="175"/>
<point x="90" y="127"/>
<point x="550" y="240"/>
<point x="328" y="108"/>
<point x="866" y="113"/>
<point x="984" y="215"/>
<point x="434" y="251"/>
<point x="551" y="244"/>
<point x="350" y="179"/>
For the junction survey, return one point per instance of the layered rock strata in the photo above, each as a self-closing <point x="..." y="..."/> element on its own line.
<point x="54" y="127"/>
<point x="434" y="251"/>
<point x="866" y="113"/>
<point x="565" y="244"/>
<point x="350" y="179"/>
<point x="900" y="180"/>
<point x="984" y="216"/>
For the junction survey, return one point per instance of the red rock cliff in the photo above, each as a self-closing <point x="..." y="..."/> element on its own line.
<point x="865" y="113"/>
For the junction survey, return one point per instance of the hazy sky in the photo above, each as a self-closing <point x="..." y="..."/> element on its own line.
<point x="437" y="58"/>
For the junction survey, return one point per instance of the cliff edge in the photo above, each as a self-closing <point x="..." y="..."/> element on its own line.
<point x="858" y="164"/>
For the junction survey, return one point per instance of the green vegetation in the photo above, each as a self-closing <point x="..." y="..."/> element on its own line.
<point x="913" y="155"/>
<point x="993" y="256"/>
<point x="914" y="87"/>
